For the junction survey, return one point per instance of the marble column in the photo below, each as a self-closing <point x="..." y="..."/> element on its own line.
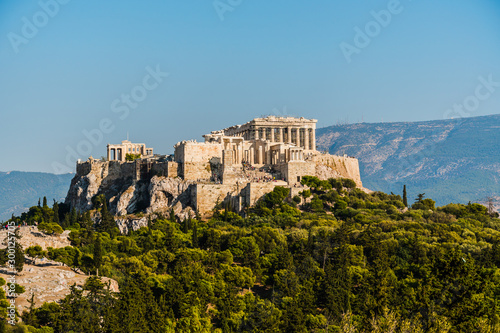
<point x="256" y="130"/>
<point x="306" y="139"/>
<point x="289" y="135"/>
<point x="281" y="134"/>
<point x="297" y="137"/>
<point x="313" y="141"/>
<point x="272" y="134"/>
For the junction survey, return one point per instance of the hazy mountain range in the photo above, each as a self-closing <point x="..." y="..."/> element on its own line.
<point x="21" y="190"/>
<point x="456" y="160"/>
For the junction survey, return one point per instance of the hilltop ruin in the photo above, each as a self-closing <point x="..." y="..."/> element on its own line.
<point x="238" y="164"/>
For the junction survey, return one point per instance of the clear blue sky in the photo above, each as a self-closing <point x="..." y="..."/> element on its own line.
<point x="265" y="57"/>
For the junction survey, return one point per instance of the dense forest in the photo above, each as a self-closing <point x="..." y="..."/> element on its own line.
<point x="334" y="259"/>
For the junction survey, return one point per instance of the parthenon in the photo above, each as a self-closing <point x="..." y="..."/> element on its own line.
<point x="271" y="140"/>
<point x="298" y="131"/>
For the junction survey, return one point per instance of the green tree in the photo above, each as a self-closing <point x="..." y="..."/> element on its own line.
<point x="247" y="251"/>
<point x="108" y="223"/>
<point x="194" y="237"/>
<point x="348" y="183"/>
<point x="405" y="198"/>
<point x="172" y="216"/>
<point x="36" y="252"/>
<point x="97" y="252"/>
<point x="73" y="217"/>
<point x="19" y="253"/>
<point x="55" y="208"/>
<point x="420" y="198"/>
<point x="132" y="157"/>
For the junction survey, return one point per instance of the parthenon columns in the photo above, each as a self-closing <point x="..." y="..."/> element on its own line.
<point x="297" y="137"/>
<point x="313" y="143"/>
<point x="256" y="133"/>
<point x="306" y="139"/>
<point x="272" y="134"/>
<point x="289" y="135"/>
<point x="281" y="134"/>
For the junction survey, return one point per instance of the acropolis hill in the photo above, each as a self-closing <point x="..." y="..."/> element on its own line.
<point x="239" y="163"/>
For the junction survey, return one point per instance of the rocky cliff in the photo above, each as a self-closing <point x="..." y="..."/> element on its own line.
<point x="128" y="191"/>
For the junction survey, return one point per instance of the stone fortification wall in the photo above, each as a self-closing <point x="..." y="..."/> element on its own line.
<point x="194" y="159"/>
<point x="330" y="166"/>
<point x="196" y="152"/>
<point x="206" y="196"/>
<point x="254" y="191"/>
<point x="294" y="171"/>
<point x="165" y="169"/>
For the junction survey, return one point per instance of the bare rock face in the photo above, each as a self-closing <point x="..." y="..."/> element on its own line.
<point x="129" y="191"/>
<point x="132" y="199"/>
<point x="49" y="283"/>
<point x="164" y="192"/>
<point x="129" y="223"/>
<point x="30" y="236"/>
<point x="125" y="200"/>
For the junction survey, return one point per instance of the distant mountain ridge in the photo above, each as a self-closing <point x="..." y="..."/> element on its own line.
<point x="455" y="160"/>
<point x="21" y="190"/>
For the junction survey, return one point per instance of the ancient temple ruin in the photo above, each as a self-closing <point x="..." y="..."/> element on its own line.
<point x="239" y="163"/>
<point x="119" y="152"/>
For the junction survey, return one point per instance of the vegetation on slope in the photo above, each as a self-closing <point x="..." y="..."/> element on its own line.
<point x="334" y="259"/>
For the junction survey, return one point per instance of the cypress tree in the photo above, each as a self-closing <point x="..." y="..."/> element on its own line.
<point x="73" y="217"/>
<point x="405" y="198"/>
<point x="172" y="217"/>
<point x="44" y="202"/>
<point x="65" y="222"/>
<point x="55" y="208"/>
<point x="19" y="253"/>
<point x="195" y="234"/>
<point x="97" y="252"/>
<point x="108" y="223"/>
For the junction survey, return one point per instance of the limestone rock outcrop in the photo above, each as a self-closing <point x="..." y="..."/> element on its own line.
<point x="48" y="283"/>
<point x="129" y="191"/>
<point x="30" y="236"/>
